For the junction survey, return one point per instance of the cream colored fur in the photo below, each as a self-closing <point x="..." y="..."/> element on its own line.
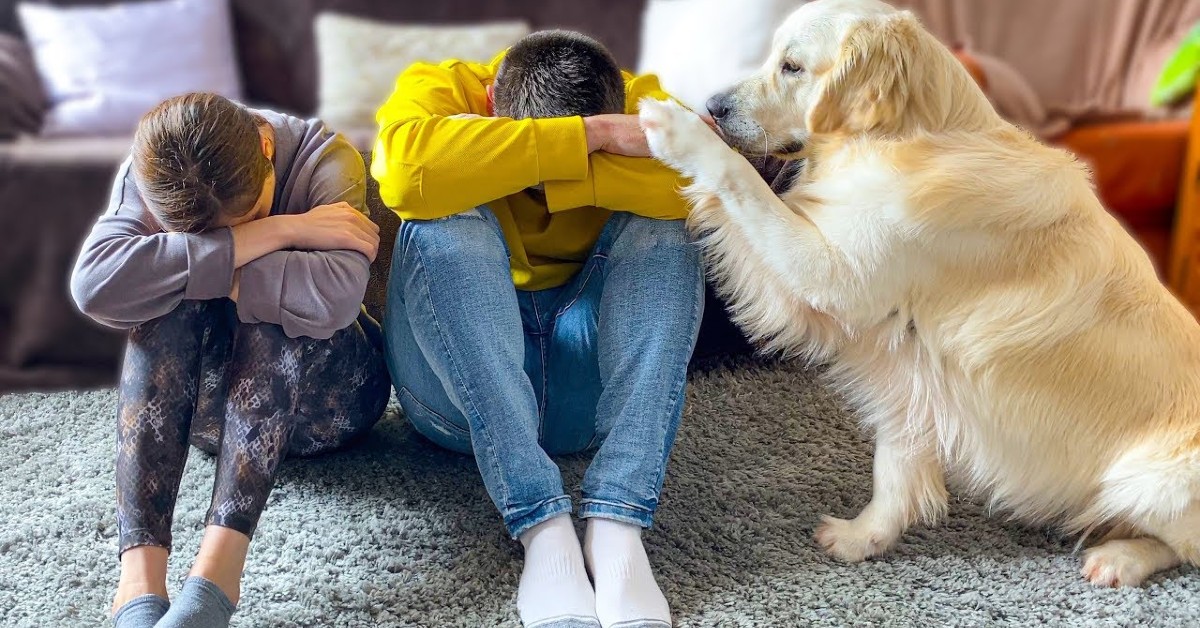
<point x="972" y="298"/>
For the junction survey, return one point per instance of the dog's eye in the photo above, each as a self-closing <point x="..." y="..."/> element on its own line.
<point x="791" y="67"/>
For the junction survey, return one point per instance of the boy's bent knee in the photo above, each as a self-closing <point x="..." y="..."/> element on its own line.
<point x="647" y="232"/>
<point x="475" y="231"/>
<point x="657" y="242"/>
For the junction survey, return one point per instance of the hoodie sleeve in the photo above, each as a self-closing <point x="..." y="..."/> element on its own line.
<point x="637" y="185"/>
<point x="430" y="163"/>
<point x="313" y="293"/>
<point x="130" y="271"/>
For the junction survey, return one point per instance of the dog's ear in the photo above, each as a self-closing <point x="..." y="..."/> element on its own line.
<point x="868" y="87"/>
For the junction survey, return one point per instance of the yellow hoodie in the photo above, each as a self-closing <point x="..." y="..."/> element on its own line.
<point x="430" y="164"/>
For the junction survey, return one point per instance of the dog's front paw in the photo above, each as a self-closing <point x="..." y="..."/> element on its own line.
<point x="679" y="138"/>
<point x="851" y="541"/>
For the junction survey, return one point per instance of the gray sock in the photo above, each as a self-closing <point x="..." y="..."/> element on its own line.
<point x="142" y="611"/>
<point x="200" y="604"/>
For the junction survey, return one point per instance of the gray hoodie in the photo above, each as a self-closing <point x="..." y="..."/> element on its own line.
<point x="131" y="271"/>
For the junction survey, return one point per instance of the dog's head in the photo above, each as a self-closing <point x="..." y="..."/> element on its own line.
<point x="836" y="66"/>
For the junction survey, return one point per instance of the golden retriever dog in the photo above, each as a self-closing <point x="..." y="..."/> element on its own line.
<point x="984" y="314"/>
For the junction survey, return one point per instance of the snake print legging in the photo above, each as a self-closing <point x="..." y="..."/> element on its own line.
<point x="245" y="392"/>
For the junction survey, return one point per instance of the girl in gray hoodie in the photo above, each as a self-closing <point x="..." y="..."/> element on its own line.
<point x="236" y="251"/>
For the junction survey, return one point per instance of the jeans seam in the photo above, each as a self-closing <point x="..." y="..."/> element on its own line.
<point x="676" y="390"/>
<point x="582" y="286"/>
<point x="541" y="342"/>
<point x="591" y="270"/>
<point x="459" y="379"/>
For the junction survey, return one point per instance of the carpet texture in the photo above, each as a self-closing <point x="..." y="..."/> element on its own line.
<point x="396" y="532"/>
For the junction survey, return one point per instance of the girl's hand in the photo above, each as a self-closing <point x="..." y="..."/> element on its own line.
<point x="333" y="228"/>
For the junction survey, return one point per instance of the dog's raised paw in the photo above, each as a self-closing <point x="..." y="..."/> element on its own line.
<point x="848" y="540"/>
<point x="677" y="136"/>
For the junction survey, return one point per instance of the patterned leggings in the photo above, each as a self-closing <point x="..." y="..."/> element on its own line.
<point x="245" y="392"/>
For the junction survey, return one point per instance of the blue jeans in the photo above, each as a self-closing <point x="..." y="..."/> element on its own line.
<point x="516" y="376"/>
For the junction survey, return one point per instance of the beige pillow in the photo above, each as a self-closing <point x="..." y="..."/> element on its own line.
<point x="359" y="60"/>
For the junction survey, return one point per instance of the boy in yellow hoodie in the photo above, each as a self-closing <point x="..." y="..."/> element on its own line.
<point x="544" y="299"/>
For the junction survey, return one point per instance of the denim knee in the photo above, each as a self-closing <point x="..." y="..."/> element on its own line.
<point x="449" y="235"/>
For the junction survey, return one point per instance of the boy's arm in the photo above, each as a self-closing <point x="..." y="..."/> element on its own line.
<point x="313" y="293"/>
<point x="639" y="185"/>
<point x="432" y="164"/>
<point x="129" y="271"/>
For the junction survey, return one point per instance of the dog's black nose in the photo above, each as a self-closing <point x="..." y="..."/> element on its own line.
<point x="718" y="106"/>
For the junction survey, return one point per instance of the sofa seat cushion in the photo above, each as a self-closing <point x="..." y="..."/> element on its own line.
<point x="22" y="100"/>
<point x="67" y="151"/>
<point x="50" y="194"/>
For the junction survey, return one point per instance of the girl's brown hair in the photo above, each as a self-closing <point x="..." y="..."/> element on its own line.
<point x="198" y="157"/>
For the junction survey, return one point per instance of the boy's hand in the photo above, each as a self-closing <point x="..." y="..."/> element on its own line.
<point x="332" y="228"/>
<point x="616" y="133"/>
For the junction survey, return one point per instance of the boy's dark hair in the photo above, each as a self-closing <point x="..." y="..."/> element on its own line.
<point x="196" y="158"/>
<point x="555" y="74"/>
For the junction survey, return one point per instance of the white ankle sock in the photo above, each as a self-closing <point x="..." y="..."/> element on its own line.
<point x="626" y="593"/>
<point x="554" y="589"/>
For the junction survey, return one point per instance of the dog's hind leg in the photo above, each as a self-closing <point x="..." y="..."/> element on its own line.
<point x="908" y="486"/>
<point x="1175" y="540"/>
<point x="1159" y="496"/>
<point x="1127" y="562"/>
<point x="1183" y="534"/>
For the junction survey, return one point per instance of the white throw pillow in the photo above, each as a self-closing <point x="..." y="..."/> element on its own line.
<point x="699" y="47"/>
<point x="105" y="66"/>
<point x="359" y="60"/>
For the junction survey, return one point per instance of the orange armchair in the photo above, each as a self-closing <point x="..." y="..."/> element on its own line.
<point x="1184" y="270"/>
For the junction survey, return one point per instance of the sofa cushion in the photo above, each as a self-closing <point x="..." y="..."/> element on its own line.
<point x="359" y="59"/>
<point x="104" y="66"/>
<point x="51" y="152"/>
<point x="22" y="101"/>
<point x="50" y="194"/>
<point x="1016" y="100"/>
